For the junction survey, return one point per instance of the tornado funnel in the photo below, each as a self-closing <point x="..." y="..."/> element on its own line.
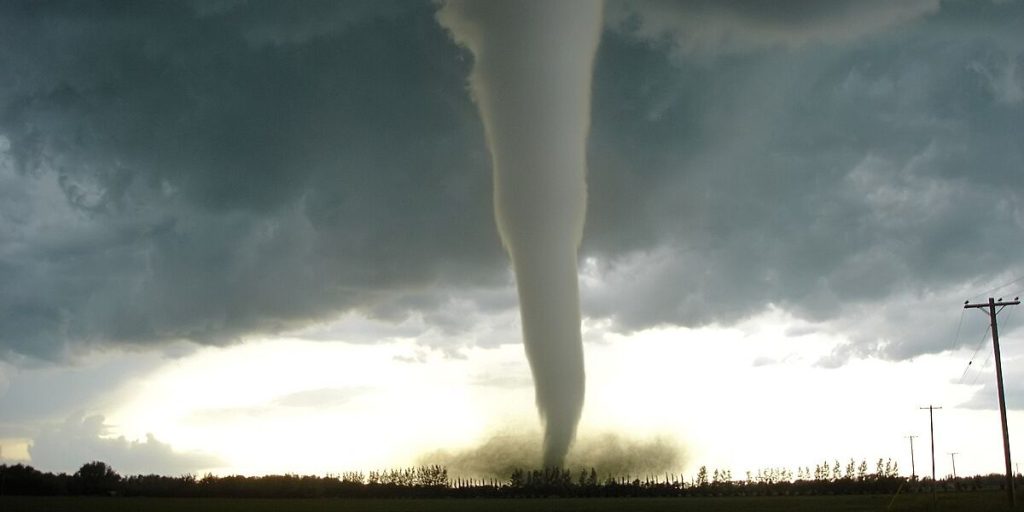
<point x="533" y="63"/>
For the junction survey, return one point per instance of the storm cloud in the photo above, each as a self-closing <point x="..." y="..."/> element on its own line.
<point x="733" y="26"/>
<point x="207" y="172"/>
<point x="167" y="176"/>
<point x="83" y="438"/>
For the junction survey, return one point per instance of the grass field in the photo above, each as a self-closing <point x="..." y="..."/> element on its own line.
<point x="952" y="502"/>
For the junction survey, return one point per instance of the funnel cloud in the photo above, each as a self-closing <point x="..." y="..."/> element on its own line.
<point x="531" y="82"/>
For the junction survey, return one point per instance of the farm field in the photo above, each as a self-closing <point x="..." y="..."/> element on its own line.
<point x="951" y="502"/>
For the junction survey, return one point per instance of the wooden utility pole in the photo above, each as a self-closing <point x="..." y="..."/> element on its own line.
<point x="991" y="306"/>
<point x="913" y="470"/>
<point x="931" y="426"/>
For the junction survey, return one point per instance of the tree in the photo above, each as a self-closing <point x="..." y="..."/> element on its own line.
<point x="822" y="471"/>
<point x="702" y="476"/>
<point x="97" y="478"/>
<point x="518" y="479"/>
<point x="895" y="472"/>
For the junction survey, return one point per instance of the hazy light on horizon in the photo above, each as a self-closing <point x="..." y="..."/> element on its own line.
<point x="741" y="398"/>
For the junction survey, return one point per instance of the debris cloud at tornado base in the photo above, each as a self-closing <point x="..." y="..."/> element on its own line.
<point x="533" y="64"/>
<point x="608" y="453"/>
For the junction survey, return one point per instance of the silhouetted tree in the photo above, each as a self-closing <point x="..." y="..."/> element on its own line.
<point x="26" y="480"/>
<point x="96" y="478"/>
<point x="518" y="479"/>
<point x="702" y="476"/>
<point x="432" y="481"/>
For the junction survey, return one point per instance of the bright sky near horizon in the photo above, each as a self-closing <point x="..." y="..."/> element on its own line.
<point x="258" y="237"/>
<point x="743" y="398"/>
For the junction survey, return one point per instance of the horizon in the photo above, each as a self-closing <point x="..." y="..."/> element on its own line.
<point x="824" y="472"/>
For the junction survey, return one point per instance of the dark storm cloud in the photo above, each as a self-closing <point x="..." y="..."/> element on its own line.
<point x="714" y="26"/>
<point x="205" y="172"/>
<point x="869" y="186"/>
<point x="174" y="175"/>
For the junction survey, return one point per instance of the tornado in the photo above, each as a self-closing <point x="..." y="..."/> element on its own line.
<point x="532" y="69"/>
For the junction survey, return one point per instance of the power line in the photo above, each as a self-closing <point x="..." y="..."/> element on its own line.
<point x="981" y="341"/>
<point x="1000" y="287"/>
<point x="988" y="357"/>
<point x="982" y="369"/>
<point x="984" y="335"/>
<point x="956" y="339"/>
<point x="977" y="347"/>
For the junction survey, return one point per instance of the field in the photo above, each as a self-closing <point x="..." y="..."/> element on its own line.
<point x="951" y="502"/>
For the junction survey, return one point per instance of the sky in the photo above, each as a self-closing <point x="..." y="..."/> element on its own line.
<point x="258" y="237"/>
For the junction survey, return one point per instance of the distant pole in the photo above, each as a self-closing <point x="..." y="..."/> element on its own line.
<point x="913" y="471"/>
<point x="931" y="426"/>
<point x="952" y="455"/>
<point x="991" y="305"/>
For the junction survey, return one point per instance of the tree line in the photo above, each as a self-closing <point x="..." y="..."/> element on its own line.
<point x="97" y="478"/>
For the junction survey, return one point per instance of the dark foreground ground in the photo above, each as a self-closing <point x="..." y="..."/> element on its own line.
<point x="949" y="502"/>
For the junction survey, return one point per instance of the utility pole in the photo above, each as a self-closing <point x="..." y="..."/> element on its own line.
<point x="931" y="426"/>
<point x="952" y="455"/>
<point x="991" y="305"/>
<point x="913" y="470"/>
